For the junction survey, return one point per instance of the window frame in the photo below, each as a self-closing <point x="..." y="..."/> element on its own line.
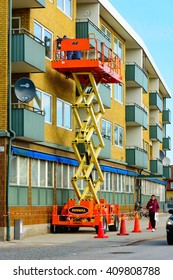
<point x="118" y="130"/>
<point x="41" y="105"/>
<point x="64" y="103"/>
<point x="64" y="8"/>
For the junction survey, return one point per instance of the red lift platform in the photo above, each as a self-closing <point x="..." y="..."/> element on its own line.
<point x="86" y="55"/>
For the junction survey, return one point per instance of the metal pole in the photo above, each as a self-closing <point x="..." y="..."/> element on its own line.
<point x="12" y="133"/>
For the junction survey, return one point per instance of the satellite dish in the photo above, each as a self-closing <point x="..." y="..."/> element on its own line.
<point x="166" y="161"/>
<point x="161" y="155"/>
<point x="24" y="89"/>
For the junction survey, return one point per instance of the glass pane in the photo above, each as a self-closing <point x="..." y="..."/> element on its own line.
<point x="50" y="174"/>
<point x="48" y="43"/>
<point x="65" y="176"/>
<point x="121" y="93"/>
<point x="109" y="128"/>
<point x="121" y="137"/>
<point x="68" y="7"/>
<point x="67" y="116"/>
<point x="42" y="173"/>
<point x="58" y="175"/>
<point x="59" y="113"/>
<point x="37" y="100"/>
<point x="116" y="91"/>
<point x="103" y="127"/>
<point x="23" y="171"/>
<point x="13" y="171"/>
<point x="120" y="50"/>
<point x="37" y="31"/>
<point x="60" y="4"/>
<point x="116" y="135"/>
<point x="47" y="107"/>
<point x="115" y="45"/>
<point x="34" y="172"/>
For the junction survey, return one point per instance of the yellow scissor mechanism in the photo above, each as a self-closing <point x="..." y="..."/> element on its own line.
<point x="88" y="118"/>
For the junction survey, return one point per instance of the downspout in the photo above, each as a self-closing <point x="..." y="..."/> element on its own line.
<point x="11" y="132"/>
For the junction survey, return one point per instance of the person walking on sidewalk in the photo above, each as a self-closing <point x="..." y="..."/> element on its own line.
<point x="153" y="207"/>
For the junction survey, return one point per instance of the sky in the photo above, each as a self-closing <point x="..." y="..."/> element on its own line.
<point x="152" y="20"/>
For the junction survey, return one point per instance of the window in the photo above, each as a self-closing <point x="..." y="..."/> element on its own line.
<point x="118" y="136"/>
<point x="19" y="171"/>
<point x="106" y="31"/>
<point x="64" y="173"/>
<point x="42" y="173"/>
<point x="43" y="101"/>
<point x="16" y="24"/>
<point x="63" y="114"/>
<point x="118" y="92"/>
<point x="106" y="129"/>
<point x="44" y="35"/>
<point x="118" y="48"/>
<point x="65" y="6"/>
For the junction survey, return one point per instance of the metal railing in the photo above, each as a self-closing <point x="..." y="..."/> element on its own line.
<point x="27" y="107"/>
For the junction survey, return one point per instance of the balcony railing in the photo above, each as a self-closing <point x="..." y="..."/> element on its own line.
<point x="156" y="133"/>
<point x="155" y="101"/>
<point x="166" y="116"/>
<point x="28" y="52"/>
<point x="27" y="122"/>
<point x="156" y="166"/>
<point x="137" y="157"/>
<point x="136" y="76"/>
<point x="136" y="115"/>
<point x="166" y="143"/>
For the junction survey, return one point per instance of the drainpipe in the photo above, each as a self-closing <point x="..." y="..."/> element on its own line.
<point x="11" y="132"/>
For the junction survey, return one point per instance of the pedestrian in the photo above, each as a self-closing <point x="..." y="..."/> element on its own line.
<point x="153" y="208"/>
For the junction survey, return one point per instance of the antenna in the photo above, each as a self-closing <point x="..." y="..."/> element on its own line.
<point x="24" y="89"/>
<point x="166" y="161"/>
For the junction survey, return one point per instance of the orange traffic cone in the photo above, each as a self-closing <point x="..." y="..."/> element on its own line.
<point x="136" y="224"/>
<point x="149" y="225"/>
<point x="101" y="233"/>
<point x="123" y="226"/>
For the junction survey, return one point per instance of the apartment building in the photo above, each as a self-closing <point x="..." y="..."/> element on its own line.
<point x="36" y="156"/>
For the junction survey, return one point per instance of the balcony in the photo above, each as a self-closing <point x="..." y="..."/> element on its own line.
<point x="166" y="144"/>
<point x="166" y="116"/>
<point x="28" y="53"/>
<point x="136" y="115"/>
<point x="27" y="122"/>
<point x="156" y="167"/>
<point x="155" y="101"/>
<point x="167" y="172"/>
<point x="87" y="29"/>
<point x="137" y="157"/>
<point x="105" y="94"/>
<point x="136" y="76"/>
<point x="23" y="4"/>
<point x="156" y="133"/>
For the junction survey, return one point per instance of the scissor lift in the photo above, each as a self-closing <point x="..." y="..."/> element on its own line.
<point x="89" y="62"/>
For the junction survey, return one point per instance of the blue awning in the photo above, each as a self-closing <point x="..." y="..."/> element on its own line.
<point x="43" y="156"/>
<point x="118" y="170"/>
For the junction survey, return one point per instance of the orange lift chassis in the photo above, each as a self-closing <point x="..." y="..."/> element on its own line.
<point x="88" y="62"/>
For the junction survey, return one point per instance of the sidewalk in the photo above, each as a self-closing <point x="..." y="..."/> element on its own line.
<point x="87" y="235"/>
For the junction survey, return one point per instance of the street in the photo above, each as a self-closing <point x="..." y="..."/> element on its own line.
<point x="144" y="245"/>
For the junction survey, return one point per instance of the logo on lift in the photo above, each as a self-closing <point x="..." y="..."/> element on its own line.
<point x="78" y="210"/>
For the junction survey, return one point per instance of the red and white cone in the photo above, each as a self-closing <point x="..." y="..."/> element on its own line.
<point x="123" y="226"/>
<point x="101" y="233"/>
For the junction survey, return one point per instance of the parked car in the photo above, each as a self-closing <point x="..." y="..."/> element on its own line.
<point x="169" y="228"/>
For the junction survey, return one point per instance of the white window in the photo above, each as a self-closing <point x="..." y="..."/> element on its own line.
<point x="65" y="6"/>
<point x="106" y="129"/>
<point x="118" y="136"/>
<point x="43" y="101"/>
<point x="63" y="114"/>
<point x="106" y="31"/>
<point x="42" y="173"/>
<point x="44" y="35"/>
<point x="118" y="48"/>
<point x="118" y="92"/>
<point x="19" y="171"/>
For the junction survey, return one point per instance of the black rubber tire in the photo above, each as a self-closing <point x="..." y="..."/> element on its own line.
<point x="115" y="226"/>
<point x="104" y="225"/>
